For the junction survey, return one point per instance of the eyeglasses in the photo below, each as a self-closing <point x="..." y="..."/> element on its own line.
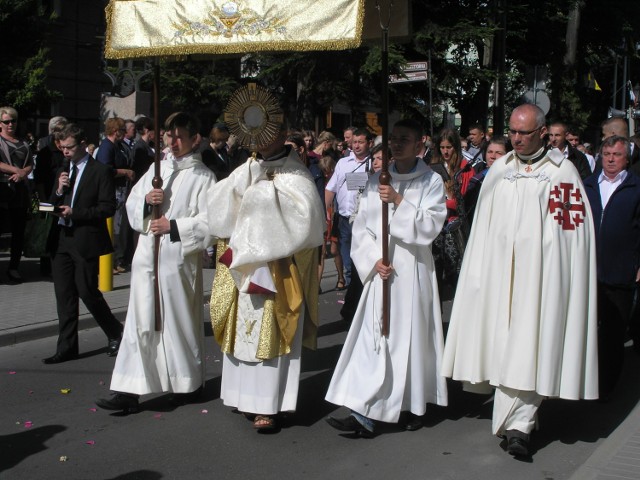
<point x="68" y="147"/>
<point x="523" y="133"/>
<point x="7" y="122"/>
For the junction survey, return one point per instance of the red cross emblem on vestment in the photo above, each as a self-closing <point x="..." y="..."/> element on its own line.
<point x="569" y="214"/>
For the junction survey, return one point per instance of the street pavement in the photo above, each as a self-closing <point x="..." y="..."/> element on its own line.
<point x="50" y="428"/>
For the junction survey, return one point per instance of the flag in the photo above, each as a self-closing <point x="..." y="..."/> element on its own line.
<point x="593" y="83"/>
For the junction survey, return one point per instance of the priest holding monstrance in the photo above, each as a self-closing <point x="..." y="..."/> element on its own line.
<point x="264" y="300"/>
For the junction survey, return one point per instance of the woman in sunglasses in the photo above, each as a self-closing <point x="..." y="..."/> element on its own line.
<point x="16" y="164"/>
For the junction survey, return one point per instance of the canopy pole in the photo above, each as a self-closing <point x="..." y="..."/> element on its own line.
<point x="156" y="183"/>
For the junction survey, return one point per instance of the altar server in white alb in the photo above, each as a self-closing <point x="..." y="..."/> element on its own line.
<point x="380" y="377"/>
<point x="524" y="315"/>
<point x="264" y="300"/>
<point x="169" y="360"/>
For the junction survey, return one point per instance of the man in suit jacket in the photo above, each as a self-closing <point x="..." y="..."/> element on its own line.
<point x="616" y="126"/>
<point x="86" y="198"/>
<point x="558" y="139"/>
<point x="614" y="195"/>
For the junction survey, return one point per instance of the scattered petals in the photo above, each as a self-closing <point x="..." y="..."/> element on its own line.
<point x="65" y="390"/>
<point x="204" y="411"/>
<point x="101" y="382"/>
<point x="28" y="424"/>
<point x="93" y="409"/>
<point x="157" y="415"/>
<point x="340" y="301"/>
<point x="216" y="361"/>
<point x="64" y="458"/>
<point x="12" y="372"/>
<point x="90" y="442"/>
<point x="30" y="392"/>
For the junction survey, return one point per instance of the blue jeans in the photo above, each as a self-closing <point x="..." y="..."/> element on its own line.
<point x="344" y="230"/>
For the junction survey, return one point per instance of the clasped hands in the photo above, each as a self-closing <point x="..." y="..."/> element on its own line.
<point x="159" y="226"/>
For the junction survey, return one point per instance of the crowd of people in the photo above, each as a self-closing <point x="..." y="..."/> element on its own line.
<point x="549" y="225"/>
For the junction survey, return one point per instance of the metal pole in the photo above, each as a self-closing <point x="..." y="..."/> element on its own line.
<point x="430" y="73"/>
<point x="615" y="83"/>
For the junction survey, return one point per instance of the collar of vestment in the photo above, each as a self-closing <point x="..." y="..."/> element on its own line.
<point x="420" y="169"/>
<point x="278" y="156"/>
<point x="538" y="159"/>
<point x="186" y="161"/>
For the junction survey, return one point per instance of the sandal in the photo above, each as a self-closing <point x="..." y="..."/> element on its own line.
<point x="264" y="423"/>
<point x="340" y="286"/>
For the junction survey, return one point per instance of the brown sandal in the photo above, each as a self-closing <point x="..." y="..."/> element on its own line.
<point x="264" y="422"/>
<point x="341" y="285"/>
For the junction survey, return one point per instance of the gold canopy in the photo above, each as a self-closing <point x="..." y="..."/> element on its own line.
<point x="147" y="28"/>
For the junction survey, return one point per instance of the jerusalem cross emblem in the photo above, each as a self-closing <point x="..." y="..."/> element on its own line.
<point x="566" y="206"/>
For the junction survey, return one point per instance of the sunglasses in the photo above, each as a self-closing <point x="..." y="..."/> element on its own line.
<point x="7" y="122"/>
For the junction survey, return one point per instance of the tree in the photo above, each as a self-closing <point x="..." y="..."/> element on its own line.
<point x="23" y="70"/>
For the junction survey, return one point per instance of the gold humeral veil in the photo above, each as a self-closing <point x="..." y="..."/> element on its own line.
<point x="145" y="28"/>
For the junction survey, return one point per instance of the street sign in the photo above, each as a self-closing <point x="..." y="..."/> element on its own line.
<point x="416" y="67"/>
<point x="409" y="77"/>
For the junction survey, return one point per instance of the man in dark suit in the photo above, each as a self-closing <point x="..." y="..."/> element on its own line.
<point x="614" y="195"/>
<point x="86" y="198"/>
<point x="558" y="139"/>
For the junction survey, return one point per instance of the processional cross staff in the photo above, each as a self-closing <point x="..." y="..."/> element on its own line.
<point x="385" y="176"/>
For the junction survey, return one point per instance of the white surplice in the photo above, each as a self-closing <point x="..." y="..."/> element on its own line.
<point x="524" y="314"/>
<point x="169" y="360"/>
<point x="379" y="377"/>
<point x="268" y="210"/>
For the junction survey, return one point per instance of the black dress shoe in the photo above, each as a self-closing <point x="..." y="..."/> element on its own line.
<point x="349" y="424"/>
<point x="120" y="402"/>
<point x="518" y="447"/>
<point x="59" y="358"/>
<point x="179" y="399"/>
<point x="411" y="422"/>
<point x="113" y="346"/>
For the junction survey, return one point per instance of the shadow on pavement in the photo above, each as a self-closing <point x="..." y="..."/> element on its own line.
<point x="138" y="475"/>
<point x="17" y="447"/>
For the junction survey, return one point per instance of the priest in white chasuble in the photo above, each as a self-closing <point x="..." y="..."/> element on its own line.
<point x="524" y="316"/>
<point x="391" y="379"/>
<point x="264" y="301"/>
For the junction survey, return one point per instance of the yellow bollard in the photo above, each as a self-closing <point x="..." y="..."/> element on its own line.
<point x="105" y="277"/>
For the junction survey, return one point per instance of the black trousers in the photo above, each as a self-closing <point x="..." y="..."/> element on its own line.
<point x="74" y="278"/>
<point x="614" y="312"/>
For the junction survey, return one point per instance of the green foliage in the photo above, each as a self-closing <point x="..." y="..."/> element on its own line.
<point x="23" y="71"/>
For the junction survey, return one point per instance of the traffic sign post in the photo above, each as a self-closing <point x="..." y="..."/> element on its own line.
<point x="412" y="72"/>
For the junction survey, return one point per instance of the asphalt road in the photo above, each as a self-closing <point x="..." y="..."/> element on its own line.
<point x="48" y="416"/>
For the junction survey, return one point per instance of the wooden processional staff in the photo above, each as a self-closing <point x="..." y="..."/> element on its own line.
<point x="385" y="177"/>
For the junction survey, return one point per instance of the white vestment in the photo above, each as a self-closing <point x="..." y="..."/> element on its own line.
<point x="268" y="210"/>
<point x="379" y="377"/>
<point x="524" y="314"/>
<point x="169" y="360"/>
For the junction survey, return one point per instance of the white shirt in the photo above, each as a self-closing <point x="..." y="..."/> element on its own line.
<point x="80" y="165"/>
<point x="608" y="186"/>
<point x="346" y="198"/>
